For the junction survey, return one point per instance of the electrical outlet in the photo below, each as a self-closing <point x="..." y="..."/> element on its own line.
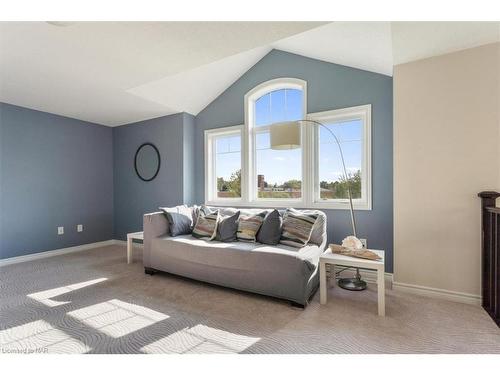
<point x="60" y="230"/>
<point x="363" y="241"/>
<point x="79" y="228"/>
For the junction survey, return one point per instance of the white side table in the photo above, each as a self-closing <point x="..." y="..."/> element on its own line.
<point x="130" y="238"/>
<point x="342" y="260"/>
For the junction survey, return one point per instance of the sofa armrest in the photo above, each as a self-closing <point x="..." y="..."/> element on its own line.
<point x="154" y="225"/>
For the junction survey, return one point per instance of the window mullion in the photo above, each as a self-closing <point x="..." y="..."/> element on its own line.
<point x="312" y="164"/>
<point x="214" y="168"/>
<point x="248" y="155"/>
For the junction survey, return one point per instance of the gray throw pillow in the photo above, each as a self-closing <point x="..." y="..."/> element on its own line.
<point x="180" y="219"/>
<point x="270" y="231"/>
<point x="227" y="228"/>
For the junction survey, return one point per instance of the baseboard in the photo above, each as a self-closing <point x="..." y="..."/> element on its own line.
<point x="371" y="277"/>
<point x="51" y="253"/>
<point x="448" y="295"/>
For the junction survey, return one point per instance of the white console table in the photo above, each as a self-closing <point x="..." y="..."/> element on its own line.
<point x="130" y="238"/>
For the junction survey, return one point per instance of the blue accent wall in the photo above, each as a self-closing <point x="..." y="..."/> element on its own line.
<point x="54" y="171"/>
<point x="57" y="171"/>
<point x="329" y="86"/>
<point x="172" y="135"/>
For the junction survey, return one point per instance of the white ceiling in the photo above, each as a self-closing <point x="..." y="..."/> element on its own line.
<point x="85" y="70"/>
<point x="363" y="45"/>
<point x="419" y="40"/>
<point x="114" y="73"/>
<point x="194" y="89"/>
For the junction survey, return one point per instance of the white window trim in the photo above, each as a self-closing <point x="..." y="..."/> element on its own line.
<point x="210" y="169"/>
<point x="344" y="114"/>
<point x="250" y="98"/>
<point x="310" y="154"/>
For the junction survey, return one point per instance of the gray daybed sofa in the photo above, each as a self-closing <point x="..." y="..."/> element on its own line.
<point x="279" y="271"/>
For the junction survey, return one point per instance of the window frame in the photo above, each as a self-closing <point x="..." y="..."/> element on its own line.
<point x="211" y="135"/>
<point x="362" y="112"/>
<point x="251" y="131"/>
<point x="309" y="150"/>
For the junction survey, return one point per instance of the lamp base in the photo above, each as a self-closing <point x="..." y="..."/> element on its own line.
<point x="354" y="283"/>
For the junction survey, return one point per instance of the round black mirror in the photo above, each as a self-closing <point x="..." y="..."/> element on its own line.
<point x="147" y="161"/>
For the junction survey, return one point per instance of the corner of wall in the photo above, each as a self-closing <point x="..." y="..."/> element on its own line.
<point x="188" y="160"/>
<point x="1" y="174"/>
<point x="113" y="226"/>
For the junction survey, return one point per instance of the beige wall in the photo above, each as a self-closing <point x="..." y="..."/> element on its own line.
<point x="446" y="150"/>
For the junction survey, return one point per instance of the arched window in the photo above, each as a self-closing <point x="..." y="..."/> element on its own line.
<point x="274" y="175"/>
<point x="242" y="169"/>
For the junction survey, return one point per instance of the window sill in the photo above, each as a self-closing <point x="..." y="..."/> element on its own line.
<point x="362" y="206"/>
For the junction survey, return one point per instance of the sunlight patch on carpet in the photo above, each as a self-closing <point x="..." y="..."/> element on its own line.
<point x="117" y="318"/>
<point x="201" y="339"/>
<point x="46" y="296"/>
<point x="39" y="337"/>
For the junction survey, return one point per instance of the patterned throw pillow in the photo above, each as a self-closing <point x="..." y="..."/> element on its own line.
<point x="249" y="225"/>
<point x="206" y="225"/>
<point x="297" y="228"/>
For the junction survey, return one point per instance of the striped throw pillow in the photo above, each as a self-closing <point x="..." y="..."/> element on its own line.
<point x="249" y="225"/>
<point x="206" y="225"/>
<point x="297" y="228"/>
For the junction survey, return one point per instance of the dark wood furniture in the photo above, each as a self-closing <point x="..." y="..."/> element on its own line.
<point x="490" y="239"/>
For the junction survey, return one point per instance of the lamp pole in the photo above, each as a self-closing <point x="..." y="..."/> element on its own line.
<point x="286" y="135"/>
<point x="355" y="283"/>
<point x="353" y="221"/>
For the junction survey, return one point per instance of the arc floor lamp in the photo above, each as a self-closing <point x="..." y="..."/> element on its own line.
<point x="287" y="136"/>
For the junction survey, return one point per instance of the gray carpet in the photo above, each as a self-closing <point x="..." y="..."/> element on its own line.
<point x="93" y="302"/>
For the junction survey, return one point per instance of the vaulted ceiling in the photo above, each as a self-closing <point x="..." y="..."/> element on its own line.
<point x="113" y="73"/>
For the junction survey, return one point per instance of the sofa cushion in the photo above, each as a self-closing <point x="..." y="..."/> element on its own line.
<point x="270" y="231"/>
<point x="250" y="256"/>
<point x="278" y="271"/>
<point x="297" y="227"/>
<point x="180" y="219"/>
<point x="227" y="227"/>
<point x="249" y="225"/>
<point x="206" y="225"/>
